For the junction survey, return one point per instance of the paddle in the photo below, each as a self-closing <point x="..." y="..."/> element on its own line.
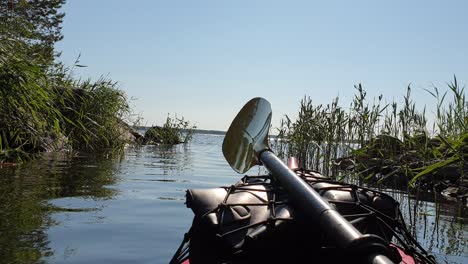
<point x="246" y="145"/>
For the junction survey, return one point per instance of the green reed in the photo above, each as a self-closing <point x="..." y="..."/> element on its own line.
<point x="452" y="120"/>
<point x="381" y="141"/>
<point x="25" y="108"/>
<point x="42" y="107"/>
<point x="96" y="111"/>
<point x="174" y="131"/>
<point x="42" y="104"/>
<point x="47" y="109"/>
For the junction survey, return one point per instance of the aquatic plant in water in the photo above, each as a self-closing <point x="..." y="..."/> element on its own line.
<point x="381" y="142"/>
<point x="174" y="131"/>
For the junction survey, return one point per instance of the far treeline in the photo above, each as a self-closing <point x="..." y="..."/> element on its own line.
<point x="385" y="143"/>
<point x="42" y="106"/>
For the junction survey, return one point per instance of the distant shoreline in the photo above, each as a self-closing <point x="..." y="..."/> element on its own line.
<point x="197" y="131"/>
<point x="140" y="129"/>
<point x="212" y="132"/>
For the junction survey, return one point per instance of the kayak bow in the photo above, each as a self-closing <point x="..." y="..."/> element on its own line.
<point x="246" y="145"/>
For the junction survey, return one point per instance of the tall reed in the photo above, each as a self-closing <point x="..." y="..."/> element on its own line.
<point x="174" y="131"/>
<point x="26" y="110"/>
<point x="379" y="140"/>
<point x="46" y="105"/>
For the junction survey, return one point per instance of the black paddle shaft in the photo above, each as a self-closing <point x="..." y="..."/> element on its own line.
<point x="335" y="227"/>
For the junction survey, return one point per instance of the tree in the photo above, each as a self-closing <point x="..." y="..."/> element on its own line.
<point x="36" y="23"/>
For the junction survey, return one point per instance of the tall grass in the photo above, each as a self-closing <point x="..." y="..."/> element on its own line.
<point x="96" y="111"/>
<point x="174" y="131"/>
<point x="38" y="103"/>
<point x="379" y="140"/>
<point x="452" y="121"/>
<point x="26" y="110"/>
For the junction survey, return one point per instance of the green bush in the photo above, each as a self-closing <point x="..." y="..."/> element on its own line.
<point x="174" y="131"/>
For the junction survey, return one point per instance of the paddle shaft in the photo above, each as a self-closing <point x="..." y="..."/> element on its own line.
<point x="306" y="199"/>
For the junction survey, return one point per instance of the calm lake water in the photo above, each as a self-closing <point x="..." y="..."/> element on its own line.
<point x="130" y="209"/>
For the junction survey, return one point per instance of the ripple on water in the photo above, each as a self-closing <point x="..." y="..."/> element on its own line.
<point x="88" y="209"/>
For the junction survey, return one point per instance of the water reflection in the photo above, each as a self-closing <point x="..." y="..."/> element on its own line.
<point x="130" y="209"/>
<point x="26" y="192"/>
<point x="166" y="160"/>
<point x="439" y="225"/>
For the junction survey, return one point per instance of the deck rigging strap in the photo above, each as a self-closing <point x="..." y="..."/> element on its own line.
<point x="357" y="204"/>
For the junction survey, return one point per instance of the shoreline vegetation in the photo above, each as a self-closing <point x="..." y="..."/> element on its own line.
<point x="174" y="131"/>
<point x="43" y="108"/>
<point x="384" y="144"/>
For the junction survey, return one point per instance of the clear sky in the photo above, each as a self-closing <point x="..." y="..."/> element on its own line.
<point x="204" y="59"/>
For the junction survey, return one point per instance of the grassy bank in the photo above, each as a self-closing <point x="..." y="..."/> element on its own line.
<point x="42" y="106"/>
<point x="46" y="109"/>
<point x="382" y="142"/>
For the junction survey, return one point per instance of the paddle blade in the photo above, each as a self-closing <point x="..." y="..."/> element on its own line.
<point x="248" y="135"/>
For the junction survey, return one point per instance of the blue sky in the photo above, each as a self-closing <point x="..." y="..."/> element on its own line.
<point x="204" y="59"/>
